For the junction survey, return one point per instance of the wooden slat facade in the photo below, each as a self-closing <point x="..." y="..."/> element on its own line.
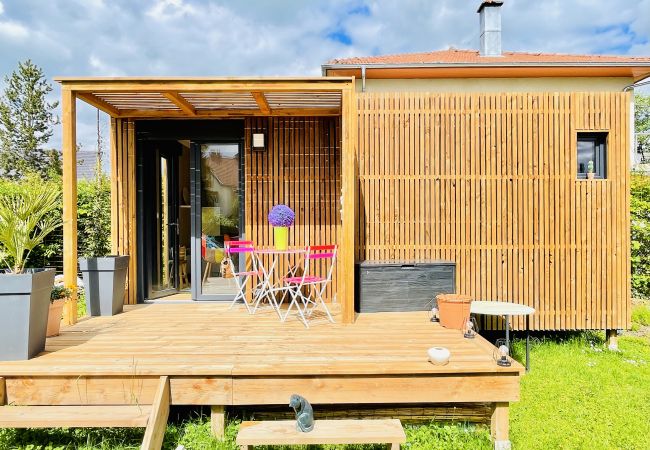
<point x="300" y="167"/>
<point x="123" y="199"/>
<point x="489" y="181"/>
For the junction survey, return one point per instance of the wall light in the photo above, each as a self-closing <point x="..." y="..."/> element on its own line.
<point x="258" y="142"/>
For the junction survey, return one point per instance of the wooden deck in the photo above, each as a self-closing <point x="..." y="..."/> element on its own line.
<point x="216" y="356"/>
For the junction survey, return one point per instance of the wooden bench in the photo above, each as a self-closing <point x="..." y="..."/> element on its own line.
<point x="283" y="432"/>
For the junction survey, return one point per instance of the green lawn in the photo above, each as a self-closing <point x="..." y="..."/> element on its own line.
<point x="577" y="396"/>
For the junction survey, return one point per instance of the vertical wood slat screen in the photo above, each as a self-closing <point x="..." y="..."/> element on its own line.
<point x="300" y="167"/>
<point x="123" y="200"/>
<point x="489" y="181"/>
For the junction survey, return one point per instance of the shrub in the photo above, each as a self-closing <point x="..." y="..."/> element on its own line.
<point x="28" y="215"/>
<point x="94" y="216"/>
<point x="640" y="234"/>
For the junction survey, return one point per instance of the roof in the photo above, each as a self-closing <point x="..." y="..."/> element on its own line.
<point x="454" y="56"/>
<point x="168" y="97"/>
<point x="455" y="63"/>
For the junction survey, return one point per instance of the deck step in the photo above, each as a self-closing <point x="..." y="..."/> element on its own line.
<point x="127" y="416"/>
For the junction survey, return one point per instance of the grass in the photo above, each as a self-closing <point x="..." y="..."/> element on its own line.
<point x="641" y="314"/>
<point x="577" y="396"/>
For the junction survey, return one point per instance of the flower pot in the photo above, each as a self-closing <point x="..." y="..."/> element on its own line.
<point x="281" y="238"/>
<point x="454" y="310"/>
<point x="54" y="317"/>
<point x="24" y="307"/>
<point x="104" y="281"/>
<point x="590" y="175"/>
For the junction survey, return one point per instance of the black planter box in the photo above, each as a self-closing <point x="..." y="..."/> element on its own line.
<point x="402" y="285"/>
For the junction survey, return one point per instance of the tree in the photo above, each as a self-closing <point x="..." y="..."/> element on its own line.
<point x="26" y="120"/>
<point x="642" y="125"/>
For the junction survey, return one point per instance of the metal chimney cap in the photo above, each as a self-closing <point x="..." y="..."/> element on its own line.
<point x="489" y="3"/>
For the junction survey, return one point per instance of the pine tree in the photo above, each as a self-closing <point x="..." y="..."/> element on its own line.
<point x="26" y="120"/>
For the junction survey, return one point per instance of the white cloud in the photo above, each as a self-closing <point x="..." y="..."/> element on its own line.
<point x="165" y="10"/>
<point x="13" y="30"/>
<point x="2" y="8"/>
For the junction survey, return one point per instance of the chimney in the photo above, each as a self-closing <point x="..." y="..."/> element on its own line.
<point x="490" y="19"/>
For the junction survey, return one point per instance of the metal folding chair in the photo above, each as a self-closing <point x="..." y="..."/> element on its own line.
<point x="241" y="278"/>
<point x="314" y="283"/>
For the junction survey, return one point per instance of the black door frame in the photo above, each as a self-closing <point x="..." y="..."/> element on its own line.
<point x="195" y="187"/>
<point x="149" y="174"/>
<point x="193" y="130"/>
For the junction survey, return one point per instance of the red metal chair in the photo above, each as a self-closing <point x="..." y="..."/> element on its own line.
<point x="315" y="284"/>
<point x="241" y="278"/>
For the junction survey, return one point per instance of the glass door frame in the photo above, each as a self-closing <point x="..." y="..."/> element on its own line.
<point x="195" y="195"/>
<point x="147" y="214"/>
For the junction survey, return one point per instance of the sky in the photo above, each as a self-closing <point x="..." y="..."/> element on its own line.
<point x="287" y="37"/>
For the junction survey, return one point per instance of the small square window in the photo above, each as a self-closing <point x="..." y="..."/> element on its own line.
<point x="592" y="154"/>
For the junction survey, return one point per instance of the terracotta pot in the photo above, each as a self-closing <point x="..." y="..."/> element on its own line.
<point x="54" y="317"/>
<point x="454" y="310"/>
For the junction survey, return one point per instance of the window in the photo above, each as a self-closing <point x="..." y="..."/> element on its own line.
<point x="592" y="151"/>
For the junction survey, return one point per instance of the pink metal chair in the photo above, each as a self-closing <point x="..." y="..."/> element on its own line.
<point x="314" y="283"/>
<point x="241" y="278"/>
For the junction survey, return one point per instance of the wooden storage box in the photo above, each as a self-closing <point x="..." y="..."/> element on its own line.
<point x="402" y="285"/>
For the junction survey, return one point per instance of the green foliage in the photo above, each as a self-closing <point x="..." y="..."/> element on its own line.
<point x="642" y="122"/>
<point x="94" y="216"/>
<point x="27" y="216"/>
<point x="640" y="234"/>
<point x="59" y="292"/>
<point x="580" y="396"/>
<point x="26" y="120"/>
<point x="641" y="314"/>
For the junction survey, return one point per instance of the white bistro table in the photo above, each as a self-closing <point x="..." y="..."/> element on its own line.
<point x="506" y="309"/>
<point x="269" y="285"/>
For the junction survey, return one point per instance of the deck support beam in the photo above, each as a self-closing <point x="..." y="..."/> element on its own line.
<point x="155" y="432"/>
<point x="218" y="421"/>
<point x="69" y="147"/>
<point x="500" y="426"/>
<point x="348" y="196"/>
<point x="3" y="391"/>
<point x="612" y="340"/>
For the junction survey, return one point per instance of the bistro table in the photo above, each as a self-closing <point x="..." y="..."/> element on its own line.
<point x="269" y="285"/>
<point x="506" y="309"/>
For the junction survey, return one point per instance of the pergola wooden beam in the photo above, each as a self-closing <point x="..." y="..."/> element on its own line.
<point x="173" y="114"/>
<point x="69" y="149"/>
<point x="261" y="101"/>
<point x="98" y="103"/>
<point x="179" y="101"/>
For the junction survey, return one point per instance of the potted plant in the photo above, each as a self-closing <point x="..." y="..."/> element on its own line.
<point x="27" y="216"/>
<point x="58" y="296"/>
<point x="281" y="217"/>
<point x="104" y="275"/>
<point x="590" y="170"/>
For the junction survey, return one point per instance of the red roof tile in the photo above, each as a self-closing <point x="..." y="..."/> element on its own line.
<point x="453" y="56"/>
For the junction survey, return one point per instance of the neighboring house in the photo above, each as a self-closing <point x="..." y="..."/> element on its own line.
<point x="86" y="163"/>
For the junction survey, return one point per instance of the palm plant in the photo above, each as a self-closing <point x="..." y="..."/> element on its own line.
<point x="26" y="218"/>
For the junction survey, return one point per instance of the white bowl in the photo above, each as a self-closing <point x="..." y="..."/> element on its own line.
<point x="439" y="355"/>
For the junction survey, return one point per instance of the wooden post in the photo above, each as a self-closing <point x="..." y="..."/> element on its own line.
<point x="157" y="424"/>
<point x="500" y="426"/>
<point x="348" y="196"/>
<point x="3" y="391"/>
<point x="69" y="147"/>
<point x="218" y="421"/>
<point x="612" y="340"/>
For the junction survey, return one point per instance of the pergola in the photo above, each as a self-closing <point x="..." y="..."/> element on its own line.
<point x="204" y="98"/>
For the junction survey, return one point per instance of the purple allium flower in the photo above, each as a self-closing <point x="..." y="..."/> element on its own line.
<point x="281" y="216"/>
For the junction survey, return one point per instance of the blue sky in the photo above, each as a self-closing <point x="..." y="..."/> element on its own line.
<point x="288" y="37"/>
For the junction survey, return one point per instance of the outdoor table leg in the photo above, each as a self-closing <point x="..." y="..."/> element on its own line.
<point x="527" y="343"/>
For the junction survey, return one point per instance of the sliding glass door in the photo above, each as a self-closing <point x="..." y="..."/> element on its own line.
<point x="217" y="216"/>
